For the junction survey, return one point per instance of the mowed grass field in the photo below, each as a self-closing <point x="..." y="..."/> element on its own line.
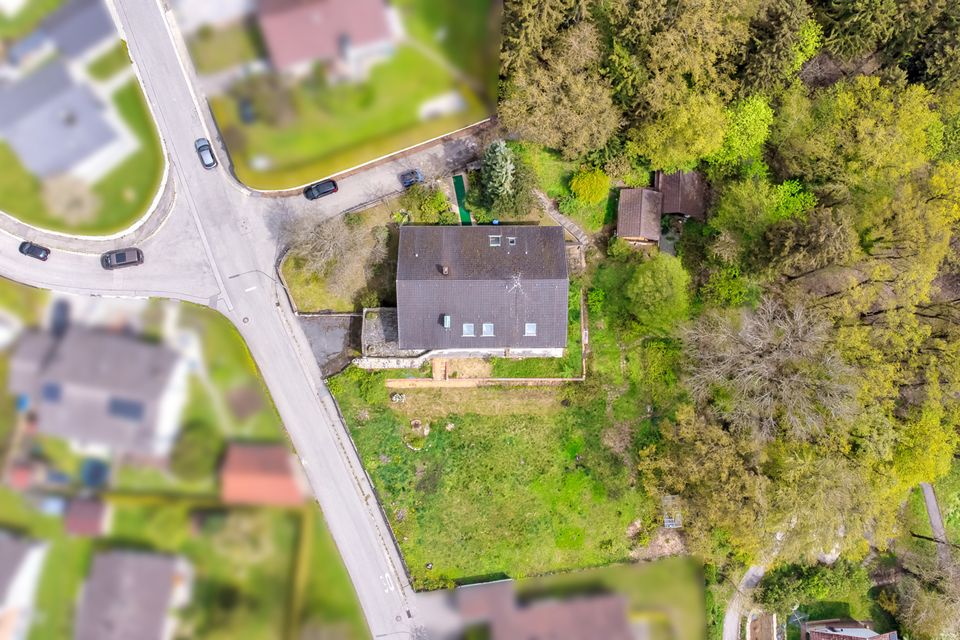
<point x="349" y="125"/>
<point x="520" y="485"/>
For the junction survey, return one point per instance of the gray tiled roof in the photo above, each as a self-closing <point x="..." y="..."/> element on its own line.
<point x="19" y="99"/>
<point x="13" y="550"/>
<point x="91" y="369"/>
<point x="127" y="595"/>
<point x="79" y="25"/>
<point x="51" y="123"/>
<point x="508" y="286"/>
<point x="638" y="214"/>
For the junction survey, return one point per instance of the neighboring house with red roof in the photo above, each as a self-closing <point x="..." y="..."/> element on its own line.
<point x="346" y="36"/>
<point x="259" y="474"/>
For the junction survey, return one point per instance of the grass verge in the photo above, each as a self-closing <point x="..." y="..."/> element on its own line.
<point x="110" y="63"/>
<point x="215" y="50"/>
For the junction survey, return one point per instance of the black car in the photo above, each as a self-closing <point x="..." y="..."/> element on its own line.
<point x="121" y="258"/>
<point x="205" y="151"/>
<point x="34" y="251"/>
<point x="320" y="189"/>
<point x="410" y="178"/>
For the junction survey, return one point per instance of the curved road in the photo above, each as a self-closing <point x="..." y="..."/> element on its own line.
<point x="212" y="241"/>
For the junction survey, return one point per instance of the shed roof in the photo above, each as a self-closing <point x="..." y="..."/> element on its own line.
<point x="303" y="31"/>
<point x="684" y="192"/>
<point x="85" y="517"/>
<point x="505" y="276"/>
<point x="259" y="474"/>
<point x="638" y="214"/>
<point x="93" y="386"/>
<point x="128" y="595"/>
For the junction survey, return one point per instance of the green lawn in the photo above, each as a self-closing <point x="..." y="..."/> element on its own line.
<point x="521" y="486"/>
<point x="328" y="599"/>
<point x="566" y="367"/>
<point x="469" y="33"/>
<point x="219" y="49"/>
<point x="63" y="571"/>
<point x="27" y="303"/>
<point x="25" y="20"/>
<point x="668" y="593"/>
<point x="231" y="367"/>
<point x="124" y="194"/>
<point x="110" y="63"/>
<point x="369" y="120"/>
<point x="554" y="174"/>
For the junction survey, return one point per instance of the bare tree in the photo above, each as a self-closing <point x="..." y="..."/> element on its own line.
<point x="770" y="371"/>
<point x="322" y="246"/>
<point x="928" y="597"/>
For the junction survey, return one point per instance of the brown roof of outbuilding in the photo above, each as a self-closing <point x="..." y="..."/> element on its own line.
<point x="684" y="192"/>
<point x="638" y="214"/>
<point x="85" y="517"/>
<point x="259" y="474"/>
<point x="460" y="272"/>
<point x="298" y="31"/>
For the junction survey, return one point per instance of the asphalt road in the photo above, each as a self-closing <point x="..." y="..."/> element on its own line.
<point x="212" y="241"/>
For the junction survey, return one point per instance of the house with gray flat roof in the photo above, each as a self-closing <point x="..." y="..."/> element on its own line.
<point x="499" y="289"/>
<point x="105" y="393"/>
<point x="132" y="594"/>
<point x="21" y="564"/>
<point x="52" y="123"/>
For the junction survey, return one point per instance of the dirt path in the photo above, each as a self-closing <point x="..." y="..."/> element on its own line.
<point x="936" y="522"/>
<point x="572" y="227"/>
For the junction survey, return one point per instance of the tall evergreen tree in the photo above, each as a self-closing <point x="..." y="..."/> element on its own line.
<point x="496" y="172"/>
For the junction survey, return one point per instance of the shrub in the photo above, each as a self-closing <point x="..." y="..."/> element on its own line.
<point x="196" y="451"/>
<point x="726" y="287"/>
<point x="590" y="187"/>
<point x="659" y="296"/>
<point x="595" y="298"/>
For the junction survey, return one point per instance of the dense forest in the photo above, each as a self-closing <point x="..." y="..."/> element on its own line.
<point x="820" y="339"/>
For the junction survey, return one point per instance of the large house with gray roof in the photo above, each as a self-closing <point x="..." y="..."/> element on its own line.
<point x="485" y="290"/>
<point x="132" y="594"/>
<point x="106" y="393"/>
<point x="21" y="565"/>
<point x="52" y="114"/>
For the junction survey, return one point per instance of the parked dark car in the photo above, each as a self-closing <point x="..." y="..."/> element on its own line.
<point x="320" y="189"/>
<point x="205" y="151"/>
<point x="34" y="251"/>
<point x="410" y="178"/>
<point x="248" y="115"/>
<point x="121" y="258"/>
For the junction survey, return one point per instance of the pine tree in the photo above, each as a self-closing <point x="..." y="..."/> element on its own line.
<point x="496" y="172"/>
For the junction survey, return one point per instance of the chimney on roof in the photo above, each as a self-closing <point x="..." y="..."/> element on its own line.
<point x="444" y="269"/>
